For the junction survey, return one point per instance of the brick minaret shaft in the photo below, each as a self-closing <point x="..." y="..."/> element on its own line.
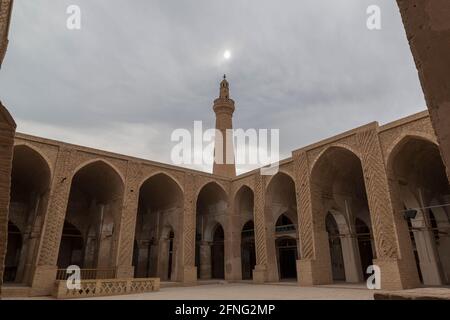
<point x="224" y="108"/>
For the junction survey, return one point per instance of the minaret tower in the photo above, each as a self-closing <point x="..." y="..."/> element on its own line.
<point x="224" y="108"/>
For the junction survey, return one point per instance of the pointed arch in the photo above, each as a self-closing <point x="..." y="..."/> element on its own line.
<point x="102" y="161"/>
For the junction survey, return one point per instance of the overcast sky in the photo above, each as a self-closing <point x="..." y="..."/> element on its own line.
<point x="139" y="69"/>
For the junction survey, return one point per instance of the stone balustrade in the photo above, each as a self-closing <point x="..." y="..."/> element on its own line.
<point x="106" y="287"/>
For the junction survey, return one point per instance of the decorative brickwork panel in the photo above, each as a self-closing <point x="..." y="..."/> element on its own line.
<point x="59" y="196"/>
<point x="378" y="195"/>
<point x="420" y="128"/>
<point x="260" y="221"/>
<point x="129" y="212"/>
<point x="303" y="193"/>
<point x="189" y="221"/>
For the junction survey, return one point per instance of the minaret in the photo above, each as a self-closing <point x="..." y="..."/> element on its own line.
<point x="224" y="108"/>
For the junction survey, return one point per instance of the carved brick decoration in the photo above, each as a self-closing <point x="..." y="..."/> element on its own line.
<point x="54" y="220"/>
<point x="129" y="212"/>
<point x="189" y="221"/>
<point x="260" y="224"/>
<point x="303" y="194"/>
<point x="378" y="196"/>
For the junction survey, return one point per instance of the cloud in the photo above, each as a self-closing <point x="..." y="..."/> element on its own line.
<point x="139" y="69"/>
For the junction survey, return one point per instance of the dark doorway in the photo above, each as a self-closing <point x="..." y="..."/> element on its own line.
<point x="217" y="254"/>
<point x="248" y="253"/>
<point x="334" y="241"/>
<point x="71" y="247"/>
<point x="14" y="249"/>
<point x="365" y="245"/>
<point x="287" y="258"/>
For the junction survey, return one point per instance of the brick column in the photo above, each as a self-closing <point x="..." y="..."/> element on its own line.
<point x="393" y="256"/>
<point x="127" y="224"/>
<point x="188" y="225"/>
<point x="44" y="274"/>
<point x="314" y="266"/>
<point x="260" y="271"/>
<point x="427" y="26"/>
<point x="7" y="131"/>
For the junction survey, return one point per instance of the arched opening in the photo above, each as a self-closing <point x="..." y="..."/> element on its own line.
<point x="339" y="202"/>
<point x="421" y="195"/>
<point x="93" y="210"/>
<point x="244" y="247"/>
<point x="30" y="184"/>
<point x="248" y="252"/>
<point x="286" y="247"/>
<point x="212" y="206"/>
<point x="218" y="254"/>
<point x="156" y="238"/>
<point x="281" y="219"/>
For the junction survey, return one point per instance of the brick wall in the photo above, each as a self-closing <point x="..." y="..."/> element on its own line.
<point x="7" y="131"/>
<point x="427" y="26"/>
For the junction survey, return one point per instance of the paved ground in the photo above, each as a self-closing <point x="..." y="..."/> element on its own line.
<point x="244" y="291"/>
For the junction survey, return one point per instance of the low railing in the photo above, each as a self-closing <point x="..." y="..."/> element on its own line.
<point x="88" y="274"/>
<point x="105" y="287"/>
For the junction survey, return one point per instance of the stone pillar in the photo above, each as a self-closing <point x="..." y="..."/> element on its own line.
<point x="314" y="266"/>
<point x="260" y="271"/>
<point x="187" y="248"/>
<point x="205" y="260"/>
<point x="393" y="251"/>
<point x="427" y="252"/>
<point x="427" y="26"/>
<point x="44" y="276"/>
<point x="127" y="223"/>
<point x="352" y="260"/>
<point x="7" y="132"/>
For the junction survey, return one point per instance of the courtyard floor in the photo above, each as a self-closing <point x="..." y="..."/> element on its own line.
<point x="247" y="291"/>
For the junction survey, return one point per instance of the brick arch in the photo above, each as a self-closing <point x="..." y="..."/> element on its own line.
<point x="331" y="147"/>
<point x="104" y="161"/>
<point x="35" y="149"/>
<point x="211" y="228"/>
<point x="205" y="183"/>
<point x="396" y="145"/>
<point x="164" y="173"/>
<point x="280" y="172"/>
<point x="239" y="188"/>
